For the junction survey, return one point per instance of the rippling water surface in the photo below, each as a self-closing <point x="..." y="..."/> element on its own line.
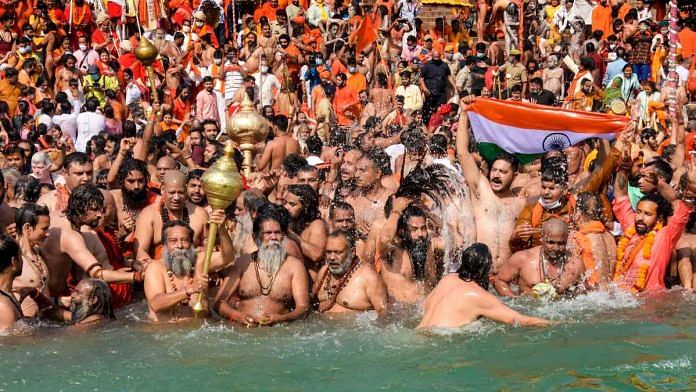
<point x="603" y="342"/>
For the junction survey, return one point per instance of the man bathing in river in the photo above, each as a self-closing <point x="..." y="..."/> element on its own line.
<point x="267" y="286"/>
<point x="462" y="297"/>
<point x="346" y="283"/>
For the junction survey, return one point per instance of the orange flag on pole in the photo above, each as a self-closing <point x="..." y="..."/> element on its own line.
<point x="365" y="35"/>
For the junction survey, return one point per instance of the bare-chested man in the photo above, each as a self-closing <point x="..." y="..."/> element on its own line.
<point x="33" y="222"/>
<point x="67" y="73"/>
<point x="496" y="207"/>
<point x="346" y="282"/>
<point x="73" y="250"/>
<point x="77" y="170"/>
<point x="544" y="270"/>
<point x="281" y="146"/>
<point x="686" y="254"/>
<point x="91" y="303"/>
<point x="172" y="206"/>
<point x="405" y="253"/>
<point x="10" y="268"/>
<point x="251" y="54"/>
<point x="592" y="242"/>
<point x="172" y="283"/>
<point x="267" y="286"/>
<point x="342" y="217"/>
<point x="370" y="196"/>
<point x="462" y="297"/>
<point x="307" y="228"/>
<point x="6" y="212"/>
<point x="245" y="209"/>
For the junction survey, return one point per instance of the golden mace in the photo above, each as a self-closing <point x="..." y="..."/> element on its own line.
<point x="147" y="53"/>
<point x="222" y="184"/>
<point x="247" y="128"/>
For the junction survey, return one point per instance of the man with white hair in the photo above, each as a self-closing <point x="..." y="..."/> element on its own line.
<point x="42" y="167"/>
<point x="267" y="286"/>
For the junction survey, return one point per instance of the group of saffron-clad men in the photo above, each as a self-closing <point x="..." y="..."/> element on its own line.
<point x="102" y="204"/>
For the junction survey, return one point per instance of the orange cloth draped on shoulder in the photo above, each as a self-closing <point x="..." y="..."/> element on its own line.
<point x="266" y="10"/>
<point x="601" y="19"/>
<point x="365" y="34"/>
<point x="687" y="39"/>
<point x="10" y="94"/>
<point x="345" y="97"/>
<point x="207" y="29"/>
<point x="121" y="292"/>
<point x="585" y="247"/>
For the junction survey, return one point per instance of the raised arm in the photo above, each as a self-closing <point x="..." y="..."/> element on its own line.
<point x="472" y="175"/>
<point x="388" y="233"/>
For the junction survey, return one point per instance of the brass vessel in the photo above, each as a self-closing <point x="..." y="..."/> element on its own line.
<point x="222" y="184"/>
<point x="247" y="128"/>
<point x="147" y="53"/>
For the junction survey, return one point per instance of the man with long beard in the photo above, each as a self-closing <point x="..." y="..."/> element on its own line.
<point x="267" y="286"/>
<point x="72" y="243"/>
<point x="131" y="197"/>
<point x="172" y="206"/>
<point x="545" y="270"/>
<point x="172" y="284"/>
<point x="245" y="209"/>
<point x="307" y="228"/>
<point x="91" y="303"/>
<point x="406" y="253"/>
<point x="346" y="283"/>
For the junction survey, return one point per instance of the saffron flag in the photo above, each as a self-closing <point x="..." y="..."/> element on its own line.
<point x="528" y="130"/>
<point x="364" y="35"/>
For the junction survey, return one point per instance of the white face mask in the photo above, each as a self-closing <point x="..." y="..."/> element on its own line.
<point x="264" y="68"/>
<point x="186" y="29"/>
<point x="550" y="206"/>
<point x="200" y="23"/>
<point x="24" y="50"/>
<point x="351" y="69"/>
<point x="83" y="47"/>
<point x="217" y="61"/>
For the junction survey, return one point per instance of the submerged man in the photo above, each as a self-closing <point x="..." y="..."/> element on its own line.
<point x="462" y="297"/>
<point x="91" y="303"/>
<point x="544" y="270"/>
<point x="267" y="286"/>
<point x="345" y="282"/>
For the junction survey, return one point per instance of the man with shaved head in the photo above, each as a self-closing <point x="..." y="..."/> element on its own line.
<point x="433" y="82"/>
<point x="544" y="270"/>
<point x="172" y="206"/>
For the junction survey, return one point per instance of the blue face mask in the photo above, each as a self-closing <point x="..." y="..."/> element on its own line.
<point x="95" y="77"/>
<point x="318" y="61"/>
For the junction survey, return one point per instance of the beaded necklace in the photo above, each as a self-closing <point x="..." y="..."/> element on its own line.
<point x="331" y="294"/>
<point x="265" y="290"/>
<point x="170" y="274"/>
<point x="38" y="265"/>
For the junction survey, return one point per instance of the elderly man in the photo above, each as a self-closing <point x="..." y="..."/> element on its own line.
<point x="346" y="283"/>
<point x="267" y="286"/>
<point x="173" y="206"/>
<point x="91" y="303"/>
<point x="172" y="283"/>
<point x="462" y="297"/>
<point x="544" y="270"/>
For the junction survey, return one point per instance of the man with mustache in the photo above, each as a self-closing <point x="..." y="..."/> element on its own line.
<point x="91" y="303"/>
<point x="547" y="269"/>
<point x="496" y="206"/>
<point x="172" y="206"/>
<point x="406" y="260"/>
<point x="268" y="286"/>
<point x="307" y="229"/>
<point x="346" y="283"/>
<point x="342" y="217"/>
<point x="245" y="210"/>
<point x="173" y="283"/>
<point x="74" y="250"/>
<point x="194" y="188"/>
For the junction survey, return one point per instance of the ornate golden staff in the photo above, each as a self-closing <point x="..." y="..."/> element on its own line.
<point x="247" y="128"/>
<point x="146" y="52"/>
<point x="222" y="184"/>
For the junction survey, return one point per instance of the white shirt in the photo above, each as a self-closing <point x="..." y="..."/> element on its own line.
<point x="132" y="93"/>
<point x="265" y="83"/>
<point x="67" y="123"/>
<point x="88" y="124"/>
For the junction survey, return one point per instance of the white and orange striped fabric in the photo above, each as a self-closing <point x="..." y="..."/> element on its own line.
<point x="527" y="129"/>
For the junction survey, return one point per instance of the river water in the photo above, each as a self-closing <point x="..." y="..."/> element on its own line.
<point x="604" y="341"/>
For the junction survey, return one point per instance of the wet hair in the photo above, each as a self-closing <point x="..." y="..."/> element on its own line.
<point x="557" y="175"/>
<point x="8" y="250"/>
<point x="590" y="204"/>
<point x="104" y="305"/>
<point x="402" y="232"/>
<point x="432" y="181"/>
<point x="130" y="165"/>
<point x="292" y="163"/>
<point x="176" y="223"/>
<point x="277" y="212"/>
<point x="664" y="207"/>
<point x="264" y="217"/>
<point x="475" y="264"/>
<point x="349" y="237"/>
<point x="438" y="145"/>
<point x="194" y="174"/>
<point x="27" y="188"/>
<point x="76" y="158"/>
<point x="83" y="198"/>
<point x="380" y="159"/>
<point x="253" y="199"/>
<point x="340" y="205"/>
<point x="310" y="206"/>
<point x="281" y="122"/>
<point x="509" y="158"/>
<point x="29" y="213"/>
<point x="647" y="133"/>
<point x="314" y="144"/>
<point x="414" y="140"/>
<point x="662" y="169"/>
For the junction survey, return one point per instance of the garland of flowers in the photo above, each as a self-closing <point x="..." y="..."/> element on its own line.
<point x="585" y="245"/>
<point x="645" y="244"/>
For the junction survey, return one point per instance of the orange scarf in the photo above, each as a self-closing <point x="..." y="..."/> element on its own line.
<point x="593" y="227"/>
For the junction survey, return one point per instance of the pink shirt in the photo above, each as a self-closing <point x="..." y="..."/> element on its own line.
<point x="665" y="241"/>
<point x="206" y="106"/>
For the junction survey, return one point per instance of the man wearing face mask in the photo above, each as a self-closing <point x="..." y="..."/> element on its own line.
<point x="411" y="50"/>
<point x="189" y="36"/>
<point x="95" y="85"/>
<point x="356" y="80"/>
<point x="267" y="84"/>
<point x="514" y="72"/>
<point x="615" y="67"/>
<point x="641" y="56"/>
<point x="202" y="28"/>
<point x="434" y="77"/>
<point x="85" y="55"/>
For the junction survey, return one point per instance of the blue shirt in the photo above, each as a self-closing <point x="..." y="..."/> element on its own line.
<point x="614" y="68"/>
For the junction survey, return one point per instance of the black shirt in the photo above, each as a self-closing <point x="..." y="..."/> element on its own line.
<point x="545" y="97"/>
<point x="435" y="74"/>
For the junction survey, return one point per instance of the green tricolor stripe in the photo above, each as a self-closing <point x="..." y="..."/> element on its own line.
<point x="490" y="150"/>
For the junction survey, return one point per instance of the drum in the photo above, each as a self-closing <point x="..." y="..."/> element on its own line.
<point x="617" y="106"/>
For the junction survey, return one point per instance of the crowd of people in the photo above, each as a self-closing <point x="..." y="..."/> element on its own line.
<point x="102" y="202"/>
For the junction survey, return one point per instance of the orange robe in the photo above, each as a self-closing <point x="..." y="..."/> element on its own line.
<point x="601" y="20"/>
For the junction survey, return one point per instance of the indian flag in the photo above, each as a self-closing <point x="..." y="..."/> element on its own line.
<point x="528" y="130"/>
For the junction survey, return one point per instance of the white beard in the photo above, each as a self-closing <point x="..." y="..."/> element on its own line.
<point x="271" y="256"/>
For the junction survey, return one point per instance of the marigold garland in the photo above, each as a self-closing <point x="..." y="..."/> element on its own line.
<point x="585" y="245"/>
<point x="623" y="264"/>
